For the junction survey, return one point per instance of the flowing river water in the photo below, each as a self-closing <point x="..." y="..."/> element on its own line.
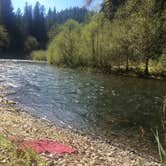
<point x="93" y="103"/>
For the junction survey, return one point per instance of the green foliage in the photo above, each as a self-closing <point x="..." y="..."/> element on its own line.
<point x="34" y="22"/>
<point x="16" y="156"/>
<point x="39" y="55"/>
<point x="109" y="7"/>
<point x="161" y="151"/>
<point x="4" y="38"/>
<point x="53" y="31"/>
<point x="75" y="13"/>
<point x="95" y="41"/>
<point x="146" y="32"/>
<point x="31" y="44"/>
<point x="131" y="39"/>
<point x="163" y="60"/>
<point x="39" y="25"/>
<point x="6" y="13"/>
<point x="63" y="49"/>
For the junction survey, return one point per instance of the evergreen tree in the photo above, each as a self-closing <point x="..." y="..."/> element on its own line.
<point x="39" y="25"/>
<point x="6" y="13"/>
<point x="7" y="19"/>
<point x="4" y="39"/>
<point x="28" y="20"/>
<point x="75" y="13"/>
<point x="51" y="18"/>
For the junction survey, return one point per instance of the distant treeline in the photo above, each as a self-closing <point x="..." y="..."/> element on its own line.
<point x="24" y="31"/>
<point x="125" y="35"/>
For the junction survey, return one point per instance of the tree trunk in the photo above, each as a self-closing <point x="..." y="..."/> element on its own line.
<point x="146" y="66"/>
<point x="119" y="62"/>
<point x="93" y="49"/>
<point x="127" y="63"/>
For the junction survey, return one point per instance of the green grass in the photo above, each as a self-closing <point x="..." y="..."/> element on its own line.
<point x="160" y="147"/>
<point x="161" y="151"/>
<point x="11" y="155"/>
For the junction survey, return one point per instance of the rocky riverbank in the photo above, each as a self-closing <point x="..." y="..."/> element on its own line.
<point x="19" y="125"/>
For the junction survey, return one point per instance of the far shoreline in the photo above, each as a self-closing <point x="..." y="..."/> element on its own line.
<point x="131" y="73"/>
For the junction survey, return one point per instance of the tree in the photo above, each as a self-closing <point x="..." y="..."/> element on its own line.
<point x="95" y="41"/>
<point x="122" y="42"/>
<point x="109" y="7"/>
<point x="28" y="20"/>
<point x="31" y="44"/>
<point x="18" y="31"/>
<point x="6" y="13"/>
<point x="75" y="13"/>
<point x="7" y="19"/>
<point x="51" y="18"/>
<point x="64" y="48"/>
<point x="39" y="25"/>
<point x="163" y="60"/>
<point x="146" y="34"/>
<point x="122" y="34"/>
<point x="4" y="38"/>
<point x="53" y="31"/>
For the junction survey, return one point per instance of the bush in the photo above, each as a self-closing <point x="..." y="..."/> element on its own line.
<point x="4" y="38"/>
<point x="30" y="44"/>
<point x="38" y="55"/>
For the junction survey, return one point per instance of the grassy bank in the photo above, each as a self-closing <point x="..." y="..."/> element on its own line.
<point x="21" y="126"/>
<point x="132" y="72"/>
<point x="156" y="71"/>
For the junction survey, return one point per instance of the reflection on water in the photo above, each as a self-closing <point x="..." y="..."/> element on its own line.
<point x="91" y="102"/>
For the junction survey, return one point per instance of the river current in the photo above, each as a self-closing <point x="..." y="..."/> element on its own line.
<point x="94" y="103"/>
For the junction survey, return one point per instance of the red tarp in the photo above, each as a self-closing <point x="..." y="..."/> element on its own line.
<point x="41" y="146"/>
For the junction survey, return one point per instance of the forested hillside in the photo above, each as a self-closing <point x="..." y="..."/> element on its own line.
<point x="24" y="31"/>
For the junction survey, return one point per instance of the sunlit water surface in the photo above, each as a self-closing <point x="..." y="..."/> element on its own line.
<point x="93" y="103"/>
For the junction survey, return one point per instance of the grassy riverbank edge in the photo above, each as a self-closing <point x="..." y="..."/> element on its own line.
<point x="122" y="72"/>
<point x="132" y="72"/>
<point x="15" y="123"/>
<point x="135" y="73"/>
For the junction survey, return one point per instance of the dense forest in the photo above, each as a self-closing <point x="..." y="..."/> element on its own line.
<point x="125" y="35"/>
<point x="22" y="32"/>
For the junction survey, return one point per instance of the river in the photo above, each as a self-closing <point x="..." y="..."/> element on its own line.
<point x="93" y="103"/>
